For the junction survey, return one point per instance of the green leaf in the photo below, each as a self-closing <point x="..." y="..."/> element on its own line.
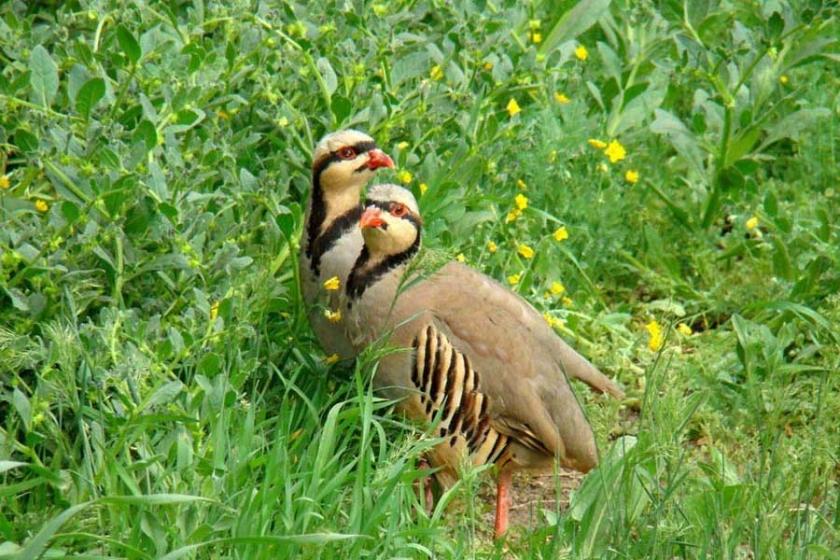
<point x="680" y="137"/>
<point x="782" y="266"/>
<point x="128" y="44"/>
<point x="36" y="546"/>
<point x="9" y="465"/>
<point x="154" y="499"/>
<point x="574" y="22"/>
<point x="44" y="78"/>
<point x="327" y="72"/>
<point x="89" y="95"/>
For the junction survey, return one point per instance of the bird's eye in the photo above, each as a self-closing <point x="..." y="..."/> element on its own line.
<point x="398" y="209"/>
<point x="347" y="153"/>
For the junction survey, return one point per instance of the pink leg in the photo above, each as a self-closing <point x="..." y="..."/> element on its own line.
<point x="502" y="502"/>
<point x="429" y="502"/>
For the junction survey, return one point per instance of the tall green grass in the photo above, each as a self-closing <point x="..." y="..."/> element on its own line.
<point x="161" y="394"/>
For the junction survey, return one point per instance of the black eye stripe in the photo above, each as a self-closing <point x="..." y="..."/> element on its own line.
<point x="332" y="157"/>
<point x="359" y="148"/>
<point x="386" y="207"/>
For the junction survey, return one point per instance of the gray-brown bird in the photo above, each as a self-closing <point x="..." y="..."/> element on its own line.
<point x="473" y="355"/>
<point x="343" y="163"/>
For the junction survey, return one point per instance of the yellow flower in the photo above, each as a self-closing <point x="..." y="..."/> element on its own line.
<point x="615" y="151"/>
<point x="536" y="38"/>
<point x="597" y="144"/>
<point x="561" y="98"/>
<point x="581" y="53"/>
<point x="512" y="215"/>
<point x="567" y="301"/>
<point x="332" y="316"/>
<point x="525" y="251"/>
<point x="603" y="167"/>
<point x="561" y="233"/>
<point x="214" y="311"/>
<point x="402" y="145"/>
<point x="521" y="201"/>
<point x="522" y="186"/>
<point x="534" y="24"/>
<point x="684" y="329"/>
<point x="5" y="183"/>
<point x="423" y="188"/>
<point x="380" y="9"/>
<point x="461" y="258"/>
<point x="752" y="223"/>
<point x="331" y="359"/>
<point x="492" y="247"/>
<point x="332" y="284"/>
<point x="552" y="321"/>
<point x="513" y="279"/>
<point x="437" y="72"/>
<point x="783" y="79"/>
<point x="655" y="338"/>
<point x="41" y="206"/>
<point x="552" y="156"/>
<point x="404" y="177"/>
<point x="222" y="114"/>
<point x="631" y="176"/>
<point x="513" y="107"/>
<point x="488" y="66"/>
<point x="557" y="288"/>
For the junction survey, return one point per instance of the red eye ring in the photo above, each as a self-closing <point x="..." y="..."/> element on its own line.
<point x="398" y="209"/>
<point x="346" y="153"/>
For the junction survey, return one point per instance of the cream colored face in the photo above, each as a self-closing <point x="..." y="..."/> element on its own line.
<point x="391" y="222"/>
<point x="347" y="159"/>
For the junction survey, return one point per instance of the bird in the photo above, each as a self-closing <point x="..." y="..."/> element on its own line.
<point x="343" y="162"/>
<point x="472" y="357"/>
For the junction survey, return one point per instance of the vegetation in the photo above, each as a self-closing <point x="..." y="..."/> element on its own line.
<point x="661" y="178"/>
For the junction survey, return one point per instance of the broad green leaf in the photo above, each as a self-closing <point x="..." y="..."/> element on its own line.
<point x="9" y="465"/>
<point x="154" y="499"/>
<point x="89" y="95"/>
<point x="33" y="549"/>
<point x="328" y="74"/>
<point x="680" y="137"/>
<point x="44" y="78"/>
<point x="128" y="44"/>
<point x="574" y="22"/>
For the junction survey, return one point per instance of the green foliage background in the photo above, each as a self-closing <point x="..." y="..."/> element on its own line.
<point x="161" y="394"/>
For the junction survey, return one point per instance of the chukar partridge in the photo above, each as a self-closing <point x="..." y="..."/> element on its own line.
<point x="475" y="356"/>
<point x="342" y="164"/>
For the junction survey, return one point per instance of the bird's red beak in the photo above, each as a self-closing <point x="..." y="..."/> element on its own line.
<point x="377" y="158"/>
<point x="371" y="217"/>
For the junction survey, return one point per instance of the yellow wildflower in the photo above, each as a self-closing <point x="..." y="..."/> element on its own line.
<point x="684" y="329"/>
<point x="752" y="223"/>
<point x="513" y="279"/>
<point x="461" y="258"/>
<point x="561" y="233"/>
<point x="603" y="167"/>
<point x="783" y="79"/>
<point x="222" y="114"/>
<point x="567" y="301"/>
<point x="423" y="188"/>
<point x="380" y="9"/>
<point x="561" y="98"/>
<point x="534" y="24"/>
<point x="332" y="316"/>
<point x="402" y="145"/>
<point x="552" y="156"/>
<point x="513" y="107"/>
<point x="655" y="338"/>
<point x="536" y="38"/>
<point x="522" y="185"/>
<point x="214" y="311"/>
<point x="521" y="201"/>
<point x="5" y="183"/>
<point x="557" y="288"/>
<point x="615" y="151"/>
<point x="488" y="66"/>
<point x="404" y="177"/>
<point x="526" y="251"/>
<point x="331" y="359"/>
<point x="597" y="144"/>
<point x="631" y="176"/>
<point x="332" y="284"/>
<point x="437" y="72"/>
<point x="41" y="206"/>
<point x="492" y="247"/>
<point x="581" y="53"/>
<point x="512" y="215"/>
<point x="552" y="321"/>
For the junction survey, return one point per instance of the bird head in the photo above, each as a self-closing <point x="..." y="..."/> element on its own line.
<point x="344" y="161"/>
<point x="391" y="222"/>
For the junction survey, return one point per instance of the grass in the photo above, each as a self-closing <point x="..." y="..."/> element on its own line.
<point x="161" y="394"/>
